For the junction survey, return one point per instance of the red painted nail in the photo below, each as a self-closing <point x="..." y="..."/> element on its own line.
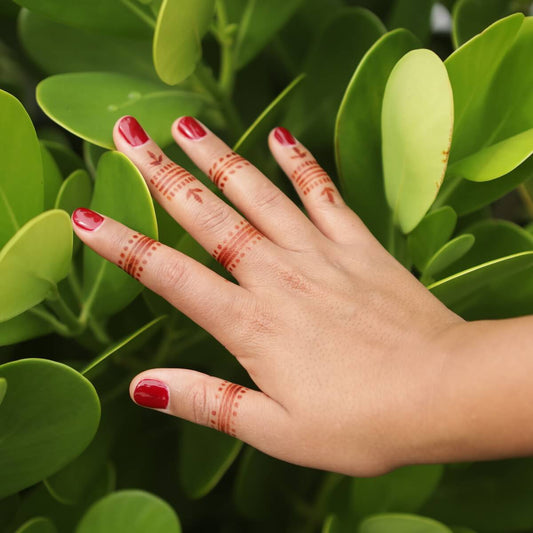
<point x="191" y="128"/>
<point x="132" y="131"/>
<point x="284" y="137"/>
<point x="151" y="393"/>
<point x="86" y="219"/>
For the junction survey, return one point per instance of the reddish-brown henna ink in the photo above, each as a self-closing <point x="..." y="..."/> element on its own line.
<point x="309" y="175"/>
<point x="195" y="193"/>
<point x="169" y="178"/>
<point x="226" y="166"/>
<point x="228" y="399"/>
<point x="239" y="240"/>
<point x="135" y="254"/>
<point x="329" y="192"/>
<point x="298" y="154"/>
<point x="157" y="160"/>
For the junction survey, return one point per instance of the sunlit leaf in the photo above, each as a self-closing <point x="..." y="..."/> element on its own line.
<point x="448" y="254"/>
<point x="75" y="192"/>
<point x="67" y="160"/>
<point x="22" y="327"/>
<point x="398" y="523"/>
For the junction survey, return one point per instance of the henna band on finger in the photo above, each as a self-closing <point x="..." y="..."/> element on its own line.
<point x="135" y="255"/>
<point x="228" y="398"/>
<point x="224" y="167"/>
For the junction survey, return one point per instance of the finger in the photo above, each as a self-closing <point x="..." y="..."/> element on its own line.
<point x="194" y="289"/>
<point x="243" y="413"/>
<point x="230" y="239"/>
<point x="261" y="202"/>
<point x="320" y="196"/>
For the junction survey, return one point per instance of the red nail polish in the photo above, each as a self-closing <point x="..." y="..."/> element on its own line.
<point x="132" y="131"/>
<point x="151" y="393"/>
<point x="191" y="128"/>
<point x="284" y="137"/>
<point x="86" y="219"/>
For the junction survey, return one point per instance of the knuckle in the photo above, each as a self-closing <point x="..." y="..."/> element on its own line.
<point x="256" y="321"/>
<point x="268" y="198"/>
<point x="214" y="219"/>
<point x="173" y="274"/>
<point x="200" y="404"/>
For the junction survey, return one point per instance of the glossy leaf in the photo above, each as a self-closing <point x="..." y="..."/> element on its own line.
<point x="120" y="192"/>
<point x="204" y="457"/>
<point x="80" y="50"/>
<point x="76" y="191"/>
<point x="37" y="525"/>
<point x="3" y="389"/>
<point x="260" y="22"/>
<point x="48" y="417"/>
<point x="417" y="122"/>
<point x="34" y="261"/>
<point x="431" y="234"/>
<point x="125" y="344"/>
<point x="358" y="131"/>
<point x="130" y="511"/>
<point x="448" y="254"/>
<point x="21" y="173"/>
<point x="398" y="523"/>
<point x="52" y="178"/>
<point x="181" y="24"/>
<point x="89" y="103"/>
<point x="22" y="327"/>
<point x="67" y="160"/>
<point x="106" y="16"/>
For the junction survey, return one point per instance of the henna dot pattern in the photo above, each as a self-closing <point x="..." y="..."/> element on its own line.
<point x="170" y="178"/>
<point x="226" y="166"/>
<point x="135" y="255"/>
<point x="234" y="247"/>
<point x="224" y="416"/>
<point x="309" y="175"/>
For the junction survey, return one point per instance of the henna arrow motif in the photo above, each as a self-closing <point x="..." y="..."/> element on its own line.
<point x="329" y="192"/>
<point x="195" y="195"/>
<point x="299" y="153"/>
<point x="156" y="160"/>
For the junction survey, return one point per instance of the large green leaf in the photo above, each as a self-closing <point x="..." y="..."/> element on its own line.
<point x="34" y="261"/>
<point x="490" y="74"/>
<point x="21" y="174"/>
<point x="89" y="103"/>
<point x="52" y="178"/>
<point x="106" y="16"/>
<point x="397" y="523"/>
<point x="120" y="192"/>
<point x="80" y="50"/>
<point x="76" y="191"/>
<point x="447" y="255"/>
<point x="181" y="24"/>
<point x="204" y="457"/>
<point x="3" y="389"/>
<point x="358" y="131"/>
<point x="417" y="122"/>
<point x="22" y="327"/>
<point x="48" y="417"/>
<point x="130" y="511"/>
<point x="67" y="160"/>
<point x="260" y="22"/>
<point x="37" y="525"/>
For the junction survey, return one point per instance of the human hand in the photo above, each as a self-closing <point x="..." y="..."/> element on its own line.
<point x="344" y="344"/>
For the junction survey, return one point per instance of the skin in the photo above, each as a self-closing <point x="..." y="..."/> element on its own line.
<point x="358" y="368"/>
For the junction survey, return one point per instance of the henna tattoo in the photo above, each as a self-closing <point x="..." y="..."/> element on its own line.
<point x="329" y="192"/>
<point x="228" y="399"/>
<point x="239" y="240"/>
<point x="309" y="175"/>
<point x="194" y="192"/>
<point x="224" y="167"/>
<point x="299" y="154"/>
<point x="171" y="178"/>
<point x="156" y="160"/>
<point x="134" y="255"/>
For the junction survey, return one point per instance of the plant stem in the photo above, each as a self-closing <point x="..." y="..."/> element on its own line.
<point x="134" y="8"/>
<point x="227" y="70"/>
<point x="65" y="314"/>
<point x="44" y="315"/>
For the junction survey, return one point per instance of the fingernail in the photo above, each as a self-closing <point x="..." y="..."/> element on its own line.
<point x="132" y="131"/>
<point x="191" y="128"/>
<point x="151" y="393"/>
<point x="86" y="219"/>
<point x="284" y="137"/>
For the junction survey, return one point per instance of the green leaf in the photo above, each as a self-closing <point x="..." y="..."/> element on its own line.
<point x="260" y="22"/>
<point x="120" y="192"/>
<point x="80" y="50"/>
<point x="177" y="48"/>
<point x="130" y="511"/>
<point x="413" y="15"/>
<point x="258" y="131"/>
<point x="21" y="173"/>
<point x="91" y="155"/>
<point x="331" y="61"/>
<point x="358" y="131"/>
<point x="431" y="234"/>
<point x="204" y="457"/>
<point x="34" y="261"/>
<point x="37" y="525"/>
<point x="397" y="523"/>
<point x="471" y="17"/>
<point x="89" y="103"/>
<point x="47" y="419"/>
<point x="67" y="160"/>
<point x="126" y="344"/>
<point x="448" y="254"/>
<point x="458" y="291"/>
<point x="3" y="389"/>
<point x="21" y="328"/>
<point x="76" y="191"/>
<point x="105" y="16"/>
<point x="52" y="178"/>
<point x="417" y="122"/>
<point x="489" y="75"/>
